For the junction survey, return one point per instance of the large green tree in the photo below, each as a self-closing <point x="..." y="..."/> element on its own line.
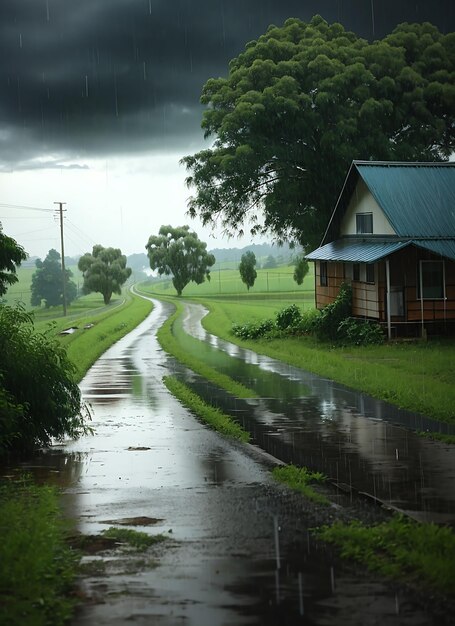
<point x="47" y="283"/>
<point x="180" y="253"/>
<point x="11" y="255"/>
<point x="104" y="271"/>
<point x="299" y="104"/>
<point x="247" y="270"/>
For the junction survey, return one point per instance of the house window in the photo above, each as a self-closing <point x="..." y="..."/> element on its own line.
<point x="431" y="280"/>
<point x="323" y="274"/>
<point x="364" y="223"/>
<point x="369" y="273"/>
<point x="356" y="271"/>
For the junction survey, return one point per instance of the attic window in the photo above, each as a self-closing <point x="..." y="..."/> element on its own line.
<point x="364" y="223"/>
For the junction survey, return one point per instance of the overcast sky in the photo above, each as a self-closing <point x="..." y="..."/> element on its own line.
<point x="99" y="100"/>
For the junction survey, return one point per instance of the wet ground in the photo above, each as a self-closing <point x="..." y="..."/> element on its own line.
<point x="239" y="549"/>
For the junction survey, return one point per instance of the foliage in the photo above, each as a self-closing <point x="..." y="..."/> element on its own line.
<point x="299" y="104"/>
<point x="299" y="479"/>
<point x="400" y="548"/>
<point x="11" y="255"/>
<point x="253" y="330"/>
<point x="136" y="539"/>
<point x="247" y="269"/>
<point x="38" y="391"/>
<point x="180" y="253"/>
<point x="211" y="415"/>
<point x="37" y="569"/>
<point x="333" y="314"/>
<point x="47" y="282"/>
<point x="104" y="271"/>
<point x="289" y="316"/>
<point x="270" y="263"/>
<point x="301" y="269"/>
<point x="361" y="332"/>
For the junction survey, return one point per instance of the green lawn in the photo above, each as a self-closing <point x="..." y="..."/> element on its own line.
<point x="227" y="282"/>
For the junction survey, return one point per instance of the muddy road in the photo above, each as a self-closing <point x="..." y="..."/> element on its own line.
<point x="238" y="549"/>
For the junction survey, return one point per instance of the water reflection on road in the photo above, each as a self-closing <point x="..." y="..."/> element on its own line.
<point x="239" y="550"/>
<point x="357" y="441"/>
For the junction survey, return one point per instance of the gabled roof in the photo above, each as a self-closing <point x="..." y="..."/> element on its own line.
<point x="418" y="199"/>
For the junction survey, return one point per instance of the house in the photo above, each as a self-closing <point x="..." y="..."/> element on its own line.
<point x="392" y="237"/>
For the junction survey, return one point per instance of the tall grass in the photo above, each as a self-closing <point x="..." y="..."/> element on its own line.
<point x="37" y="569"/>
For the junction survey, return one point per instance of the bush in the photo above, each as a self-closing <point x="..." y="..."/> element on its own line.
<point x="361" y="332"/>
<point x="290" y="316"/>
<point x="309" y="321"/>
<point x="253" y="330"/>
<point x="39" y="399"/>
<point x="333" y="314"/>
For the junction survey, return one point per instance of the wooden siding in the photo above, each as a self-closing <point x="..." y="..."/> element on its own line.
<point x="369" y="300"/>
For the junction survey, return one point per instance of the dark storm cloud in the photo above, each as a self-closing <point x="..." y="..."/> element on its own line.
<point x="108" y="76"/>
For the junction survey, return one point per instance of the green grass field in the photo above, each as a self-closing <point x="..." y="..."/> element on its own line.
<point x="227" y="282"/>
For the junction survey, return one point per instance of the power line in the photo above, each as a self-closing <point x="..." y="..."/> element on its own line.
<point x="24" y="208"/>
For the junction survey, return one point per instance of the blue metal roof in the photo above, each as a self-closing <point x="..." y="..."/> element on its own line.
<point x="356" y="251"/>
<point x="369" y="251"/>
<point x="417" y="198"/>
<point x="443" y="247"/>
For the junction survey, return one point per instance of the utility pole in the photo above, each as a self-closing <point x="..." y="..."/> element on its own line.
<point x="61" y="209"/>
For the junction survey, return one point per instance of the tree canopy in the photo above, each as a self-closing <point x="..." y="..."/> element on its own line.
<point x="104" y="271"/>
<point x="47" y="282"/>
<point x="299" y="104"/>
<point x="180" y="253"/>
<point x="11" y="255"/>
<point x="247" y="269"/>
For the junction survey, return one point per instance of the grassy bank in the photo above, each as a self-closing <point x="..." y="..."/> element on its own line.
<point x="210" y="415"/>
<point x="417" y="376"/>
<point x="86" y="345"/>
<point x="37" y="569"/>
<point x="174" y="341"/>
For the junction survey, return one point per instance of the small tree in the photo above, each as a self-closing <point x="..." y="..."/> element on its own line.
<point x="39" y="399"/>
<point x="301" y="269"/>
<point x="47" y="282"/>
<point x="247" y="271"/>
<point x="11" y="255"/>
<point x="104" y="271"/>
<point x="180" y="253"/>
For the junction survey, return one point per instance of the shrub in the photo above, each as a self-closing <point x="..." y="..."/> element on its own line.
<point x="290" y="316"/>
<point x="361" y="332"/>
<point x="334" y="313"/>
<point x="39" y="399"/>
<point x="253" y="330"/>
<point x="309" y="321"/>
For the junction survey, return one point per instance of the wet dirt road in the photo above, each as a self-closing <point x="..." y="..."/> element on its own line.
<point x="239" y="549"/>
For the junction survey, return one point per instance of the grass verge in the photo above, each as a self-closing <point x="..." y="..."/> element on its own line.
<point x="416" y="376"/>
<point x="401" y="549"/>
<point x="37" y="568"/>
<point x="86" y="345"/>
<point x="209" y="414"/>
<point x="300" y="479"/>
<point x="170" y="344"/>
